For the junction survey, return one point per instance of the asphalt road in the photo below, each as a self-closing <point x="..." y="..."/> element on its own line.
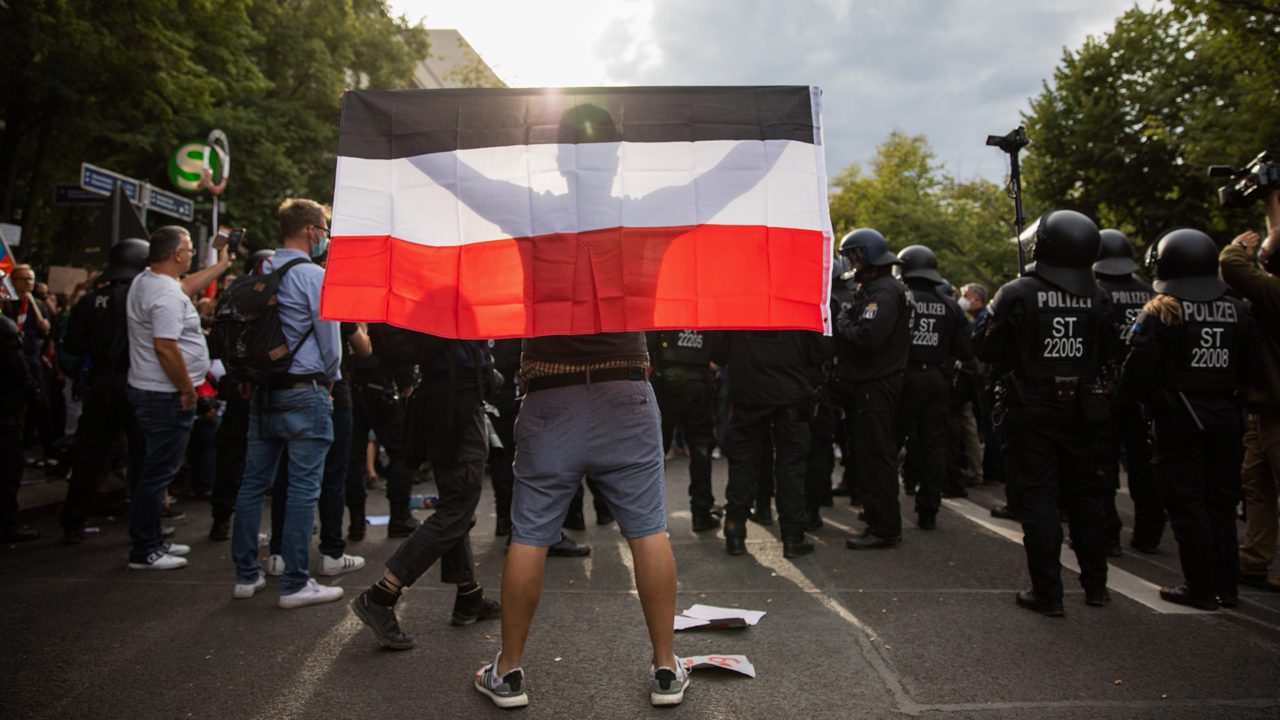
<point x="926" y="629"/>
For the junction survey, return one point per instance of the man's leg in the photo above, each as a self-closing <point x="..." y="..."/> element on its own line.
<point x="877" y="455"/>
<point x="94" y="434"/>
<point x="790" y="433"/>
<point x="167" y="428"/>
<point x="655" y="569"/>
<point x="521" y="591"/>
<point x="305" y="418"/>
<point x="1260" y="479"/>
<point x="262" y="459"/>
<point x="357" y="463"/>
<point x="743" y="445"/>
<point x="333" y="490"/>
<point x="229" y="467"/>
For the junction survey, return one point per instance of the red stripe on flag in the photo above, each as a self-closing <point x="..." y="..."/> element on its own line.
<point x="615" y="280"/>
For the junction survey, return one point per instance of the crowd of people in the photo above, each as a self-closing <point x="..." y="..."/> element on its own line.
<point x="1049" y="386"/>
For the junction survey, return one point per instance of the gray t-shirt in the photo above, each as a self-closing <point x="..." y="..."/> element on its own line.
<point x="157" y="308"/>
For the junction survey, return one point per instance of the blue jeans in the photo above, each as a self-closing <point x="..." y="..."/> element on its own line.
<point x="333" y="492"/>
<point x="298" y="424"/>
<point x="165" y="428"/>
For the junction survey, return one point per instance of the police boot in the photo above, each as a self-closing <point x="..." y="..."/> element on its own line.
<point x="703" y="521"/>
<point x="735" y="537"/>
<point x="796" y="547"/>
<point x="402" y="523"/>
<point x="221" y="529"/>
<point x="814" y="520"/>
<point x="1028" y="600"/>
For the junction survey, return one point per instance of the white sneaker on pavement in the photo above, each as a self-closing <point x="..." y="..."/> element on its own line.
<point x="159" y="561"/>
<point x="275" y="565"/>
<point x="313" y="593"/>
<point x="244" y="592"/>
<point x="340" y="565"/>
<point x="175" y="549"/>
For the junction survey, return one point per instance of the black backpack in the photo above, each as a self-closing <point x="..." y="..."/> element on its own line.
<point x="247" y="334"/>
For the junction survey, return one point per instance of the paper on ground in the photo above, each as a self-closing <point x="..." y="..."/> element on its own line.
<point x="736" y="663"/>
<point x="711" y="612"/>
<point x="378" y="519"/>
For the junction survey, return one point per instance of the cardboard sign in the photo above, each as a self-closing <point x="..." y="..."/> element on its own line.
<point x="64" y="279"/>
<point x="736" y="663"/>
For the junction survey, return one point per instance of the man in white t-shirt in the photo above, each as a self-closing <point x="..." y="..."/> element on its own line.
<point x="168" y="358"/>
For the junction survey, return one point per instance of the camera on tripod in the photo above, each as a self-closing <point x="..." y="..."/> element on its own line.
<point x="1249" y="184"/>
<point x="1011" y="143"/>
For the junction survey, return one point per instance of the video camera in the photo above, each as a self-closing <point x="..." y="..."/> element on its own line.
<point x="1012" y="142"/>
<point x="1249" y="184"/>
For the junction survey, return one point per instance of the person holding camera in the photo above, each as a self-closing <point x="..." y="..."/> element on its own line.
<point x="1260" y="471"/>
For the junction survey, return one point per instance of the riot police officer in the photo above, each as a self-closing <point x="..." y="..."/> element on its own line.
<point x="96" y="331"/>
<point x="1115" y="270"/>
<point x="1189" y="358"/>
<point x="1050" y="334"/>
<point x="773" y="375"/>
<point x="872" y="343"/>
<point x="682" y="381"/>
<point x="939" y="338"/>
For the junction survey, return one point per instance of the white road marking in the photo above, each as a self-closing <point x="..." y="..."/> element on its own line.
<point x="1121" y="581"/>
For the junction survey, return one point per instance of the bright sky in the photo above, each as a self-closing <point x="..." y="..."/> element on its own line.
<point x="954" y="70"/>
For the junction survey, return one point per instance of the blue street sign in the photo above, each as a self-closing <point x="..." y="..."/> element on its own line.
<point x="103" y="182"/>
<point x="170" y="204"/>
<point x="76" y="195"/>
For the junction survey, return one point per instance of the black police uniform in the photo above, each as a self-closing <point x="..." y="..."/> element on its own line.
<point x="506" y="360"/>
<point x="773" y="375"/>
<point x="939" y="337"/>
<point x="1128" y="429"/>
<point x="96" y="331"/>
<point x="842" y="291"/>
<point x="16" y="386"/>
<point x="682" y="381"/>
<point x="1052" y="345"/>
<point x="873" y="341"/>
<point x="1188" y="375"/>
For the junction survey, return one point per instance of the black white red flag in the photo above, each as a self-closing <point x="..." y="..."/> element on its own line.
<point x="493" y="213"/>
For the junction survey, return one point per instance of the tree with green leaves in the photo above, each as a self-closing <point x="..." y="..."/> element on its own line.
<point x="908" y="197"/>
<point x="122" y="84"/>
<point x="1125" y="130"/>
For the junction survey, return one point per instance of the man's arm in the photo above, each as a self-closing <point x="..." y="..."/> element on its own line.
<point x="175" y="367"/>
<point x="880" y="316"/>
<point x="361" y="346"/>
<point x="197" y="281"/>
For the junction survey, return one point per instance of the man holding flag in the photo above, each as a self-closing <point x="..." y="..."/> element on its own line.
<point x="577" y="219"/>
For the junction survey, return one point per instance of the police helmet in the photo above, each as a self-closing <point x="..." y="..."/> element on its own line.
<point x="1066" y="246"/>
<point x="919" y="262"/>
<point x="126" y="259"/>
<point x="1116" y="256"/>
<point x="1184" y="263"/>
<point x="840" y="270"/>
<point x="865" y="246"/>
<point x="257" y="258"/>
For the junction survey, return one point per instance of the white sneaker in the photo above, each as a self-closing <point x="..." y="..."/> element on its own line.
<point x="175" y="549"/>
<point x="715" y="454"/>
<point x="159" y="561"/>
<point x="244" y="592"/>
<point x="275" y="565"/>
<point x="313" y="593"/>
<point x="337" y="566"/>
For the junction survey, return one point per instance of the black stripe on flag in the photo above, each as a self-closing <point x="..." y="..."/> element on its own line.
<point x="387" y="124"/>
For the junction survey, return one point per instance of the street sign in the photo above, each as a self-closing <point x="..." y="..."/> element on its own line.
<point x="76" y="195"/>
<point x="186" y="165"/>
<point x="170" y="204"/>
<point x="103" y="181"/>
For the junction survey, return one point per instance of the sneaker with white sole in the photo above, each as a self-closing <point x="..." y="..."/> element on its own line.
<point x="159" y="561"/>
<point x="339" y="565"/>
<point x="506" y="691"/>
<point x="245" y="591"/>
<point x="175" y="549"/>
<point x="313" y="593"/>
<point x="667" y="686"/>
<point x="275" y="565"/>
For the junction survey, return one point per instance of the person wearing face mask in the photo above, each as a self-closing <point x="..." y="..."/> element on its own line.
<point x="291" y="419"/>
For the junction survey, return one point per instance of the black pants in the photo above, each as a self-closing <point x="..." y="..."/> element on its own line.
<point x="1128" y="430"/>
<point x="1198" y="476"/>
<point x="925" y="409"/>
<point x="10" y="470"/>
<point x="501" y="472"/>
<point x="459" y="471"/>
<point x="821" y="461"/>
<point x="231" y="443"/>
<point x="687" y="403"/>
<point x="873" y="440"/>
<point x="106" y="412"/>
<point x="1051" y="467"/>
<point x="378" y="410"/>
<point x="749" y="426"/>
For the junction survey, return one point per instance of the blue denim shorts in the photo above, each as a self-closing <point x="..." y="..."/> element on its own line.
<point x="610" y="432"/>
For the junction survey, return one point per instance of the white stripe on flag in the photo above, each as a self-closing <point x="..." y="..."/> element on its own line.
<point x="527" y="191"/>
